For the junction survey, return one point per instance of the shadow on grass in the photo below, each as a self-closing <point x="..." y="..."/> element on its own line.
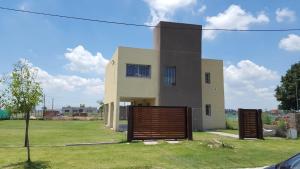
<point x="28" y="165"/>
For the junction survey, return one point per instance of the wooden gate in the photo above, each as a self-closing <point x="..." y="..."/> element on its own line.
<point x="157" y="122"/>
<point x="250" y="123"/>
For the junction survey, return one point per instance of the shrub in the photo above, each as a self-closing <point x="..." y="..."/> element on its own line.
<point x="281" y="128"/>
<point x="282" y="125"/>
<point x="266" y="118"/>
<point x="231" y="124"/>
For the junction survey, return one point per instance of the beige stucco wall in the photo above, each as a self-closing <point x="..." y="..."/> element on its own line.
<point x="118" y="86"/>
<point x="110" y="92"/>
<point x="110" y="81"/>
<point x="213" y="94"/>
<point x="134" y="86"/>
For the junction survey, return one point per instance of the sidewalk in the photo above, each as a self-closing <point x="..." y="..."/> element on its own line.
<point x="224" y="134"/>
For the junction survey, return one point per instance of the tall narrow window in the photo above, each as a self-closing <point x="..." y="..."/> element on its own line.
<point x="170" y="76"/>
<point x="207" y="77"/>
<point x="208" y="109"/>
<point x="135" y="70"/>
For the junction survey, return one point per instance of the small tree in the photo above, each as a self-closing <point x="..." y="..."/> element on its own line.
<point x="286" y="91"/>
<point x="101" y="107"/>
<point x="22" y="94"/>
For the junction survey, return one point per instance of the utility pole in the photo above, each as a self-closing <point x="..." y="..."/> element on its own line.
<point x="44" y="108"/>
<point x="52" y="103"/>
<point x="297" y="99"/>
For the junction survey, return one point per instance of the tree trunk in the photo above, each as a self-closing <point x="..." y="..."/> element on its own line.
<point x="27" y="137"/>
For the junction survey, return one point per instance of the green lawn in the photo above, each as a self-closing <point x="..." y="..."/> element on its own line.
<point x="48" y="138"/>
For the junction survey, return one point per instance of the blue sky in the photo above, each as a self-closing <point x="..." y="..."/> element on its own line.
<point x="71" y="54"/>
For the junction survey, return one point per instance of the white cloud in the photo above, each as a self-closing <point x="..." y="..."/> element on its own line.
<point x="285" y="15"/>
<point x="234" y="17"/>
<point x="69" y="83"/>
<point x="290" y="43"/>
<point x="248" y="85"/>
<point x="163" y="10"/>
<point x="83" y="61"/>
<point x="70" y="90"/>
<point x="202" y="9"/>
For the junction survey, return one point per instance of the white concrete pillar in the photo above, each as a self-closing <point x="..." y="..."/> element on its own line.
<point x="110" y="115"/>
<point x="116" y="114"/>
<point x="105" y="113"/>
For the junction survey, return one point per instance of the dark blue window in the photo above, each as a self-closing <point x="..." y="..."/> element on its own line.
<point x="170" y="76"/>
<point x="134" y="70"/>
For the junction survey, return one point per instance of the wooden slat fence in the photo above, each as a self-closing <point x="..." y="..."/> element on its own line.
<point x="250" y="123"/>
<point x="157" y="122"/>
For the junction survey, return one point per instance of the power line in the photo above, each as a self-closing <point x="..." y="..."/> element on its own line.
<point x="73" y="17"/>
<point x="144" y="25"/>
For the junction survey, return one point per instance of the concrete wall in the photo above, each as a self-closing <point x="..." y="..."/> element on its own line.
<point x="213" y="94"/>
<point x="110" y="81"/>
<point x="179" y="46"/>
<point x="137" y="87"/>
<point x="118" y="86"/>
<point x="110" y="91"/>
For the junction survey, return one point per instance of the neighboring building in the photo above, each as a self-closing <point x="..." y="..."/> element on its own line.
<point x="171" y="74"/>
<point x="49" y="114"/>
<point x="71" y="111"/>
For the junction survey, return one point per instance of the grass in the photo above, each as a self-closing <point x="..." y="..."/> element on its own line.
<point x="232" y="124"/>
<point x="48" y="138"/>
<point x="56" y="132"/>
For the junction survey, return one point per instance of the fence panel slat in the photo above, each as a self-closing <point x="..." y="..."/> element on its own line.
<point x="250" y="123"/>
<point x="159" y="122"/>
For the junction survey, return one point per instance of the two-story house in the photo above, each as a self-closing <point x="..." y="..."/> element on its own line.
<point x="172" y="74"/>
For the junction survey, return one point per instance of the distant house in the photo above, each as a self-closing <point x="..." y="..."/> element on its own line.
<point x="71" y="111"/>
<point x="49" y="114"/>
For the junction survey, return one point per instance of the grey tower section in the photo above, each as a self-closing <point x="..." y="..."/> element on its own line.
<point x="179" y="46"/>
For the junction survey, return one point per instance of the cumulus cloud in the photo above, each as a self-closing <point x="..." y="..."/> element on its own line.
<point x="69" y="83"/>
<point x="83" y="61"/>
<point x="248" y="85"/>
<point x="68" y="89"/>
<point x="163" y="10"/>
<point x="285" y="14"/>
<point x="290" y="43"/>
<point x="234" y="17"/>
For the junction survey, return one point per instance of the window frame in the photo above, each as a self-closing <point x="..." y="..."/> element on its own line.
<point x="207" y="77"/>
<point x="172" y="75"/>
<point x="208" y="110"/>
<point x="139" y="71"/>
